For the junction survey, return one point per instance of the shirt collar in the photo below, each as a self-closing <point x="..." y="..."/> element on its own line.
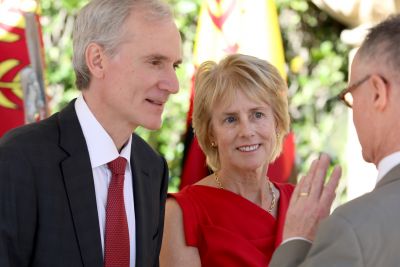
<point x="100" y="145"/>
<point x="387" y="163"/>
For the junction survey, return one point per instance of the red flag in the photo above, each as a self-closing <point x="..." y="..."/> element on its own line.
<point x="231" y="26"/>
<point x="14" y="57"/>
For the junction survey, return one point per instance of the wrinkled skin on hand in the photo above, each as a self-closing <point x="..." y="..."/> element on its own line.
<point x="311" y="200"/>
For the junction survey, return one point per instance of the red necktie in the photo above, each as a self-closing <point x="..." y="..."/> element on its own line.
<point x="116" y="252"/>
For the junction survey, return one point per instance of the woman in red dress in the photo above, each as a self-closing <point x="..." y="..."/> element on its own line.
<point x="235" y="216"/>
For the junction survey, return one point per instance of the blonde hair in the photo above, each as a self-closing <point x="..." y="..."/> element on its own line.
<point x="216" y="83"/>
<point x="101" y="22"/>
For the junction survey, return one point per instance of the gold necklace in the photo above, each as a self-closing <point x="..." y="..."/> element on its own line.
<point x="270" y="189"/>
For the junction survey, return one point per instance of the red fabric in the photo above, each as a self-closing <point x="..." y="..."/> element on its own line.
<point x="229" y="230"/>
<point x="11" y="103"/>
<point x="280" y="170"/>
<point x="116" y="252"/>
<point x="195" y="167"/>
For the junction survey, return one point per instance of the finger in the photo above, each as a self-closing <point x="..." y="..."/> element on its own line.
<point x="328" y="194"/>
<point x="319" y="177"/>
<point x="298" y="188"/>
<point x="303" y="187"/>
<point x="307" y="180"/>
<point x="334" y="178"/>
<point x="301" y="182"/>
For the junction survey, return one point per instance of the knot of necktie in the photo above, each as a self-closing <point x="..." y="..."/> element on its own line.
<point x="117" y="166"/>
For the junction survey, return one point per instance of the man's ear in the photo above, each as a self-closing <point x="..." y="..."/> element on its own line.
<point x="380" y="92"/>
<point x="95" y="60"/>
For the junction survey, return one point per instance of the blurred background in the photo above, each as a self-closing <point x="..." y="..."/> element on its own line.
<point x="310" y="42"/>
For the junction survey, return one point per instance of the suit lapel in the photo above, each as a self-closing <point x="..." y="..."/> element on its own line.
<point x="391" y="176"/>
<point x="143" y="210"/>
<point x="78" y="179"/>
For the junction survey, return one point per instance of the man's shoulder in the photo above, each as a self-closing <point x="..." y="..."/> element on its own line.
<point x="142" y="148"/>
<point x="370" y="207"/>
<point x="45" y="130"/>
<point x="366" y="227"/>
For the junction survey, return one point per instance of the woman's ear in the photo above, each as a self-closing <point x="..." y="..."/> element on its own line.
<point x="95" y="60"/>
<point x="211" y="137"/>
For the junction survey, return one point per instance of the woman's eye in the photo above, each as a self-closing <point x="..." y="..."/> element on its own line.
<point x="258" y="115"/>
<point x="230" y="119"/>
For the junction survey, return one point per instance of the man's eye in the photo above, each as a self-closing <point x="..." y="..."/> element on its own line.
<point x="155" y="62"/>
<point x="176" y="66"/>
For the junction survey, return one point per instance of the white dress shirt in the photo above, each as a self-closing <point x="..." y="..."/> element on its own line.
<point x="387" y="163"/>
<point x="101" y="151"/>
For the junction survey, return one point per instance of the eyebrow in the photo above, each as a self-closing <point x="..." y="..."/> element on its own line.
<point x="251" y="110"/>
<point x="161" y="58"/>
<point x="228" y="113"/>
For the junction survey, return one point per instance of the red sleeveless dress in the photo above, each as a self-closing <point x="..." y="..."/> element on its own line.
<point x="227" y="229"/>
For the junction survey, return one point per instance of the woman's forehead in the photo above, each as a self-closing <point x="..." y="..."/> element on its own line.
<point x="233" y="100"/>
<point x="227" y="97"/>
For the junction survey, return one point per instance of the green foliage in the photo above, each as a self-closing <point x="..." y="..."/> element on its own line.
<point x="317" y="71"/>
<point x="57" y="22"/>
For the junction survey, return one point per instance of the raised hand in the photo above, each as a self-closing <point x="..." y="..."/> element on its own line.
<point x="311" y="200"/>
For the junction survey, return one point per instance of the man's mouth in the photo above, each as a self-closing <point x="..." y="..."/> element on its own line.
<point x="155" y="102"/>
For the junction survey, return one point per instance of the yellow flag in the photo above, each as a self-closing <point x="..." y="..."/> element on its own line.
<point x="239" y="26"/>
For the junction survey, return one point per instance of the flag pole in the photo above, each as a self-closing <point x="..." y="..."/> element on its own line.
<point x="32" y="77"/>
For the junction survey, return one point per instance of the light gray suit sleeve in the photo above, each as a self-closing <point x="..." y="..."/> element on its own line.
<point x="336" y="245"/>
<point x="291" y="253"/>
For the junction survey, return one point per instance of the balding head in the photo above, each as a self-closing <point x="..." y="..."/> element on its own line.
<point x="376" y="99"/>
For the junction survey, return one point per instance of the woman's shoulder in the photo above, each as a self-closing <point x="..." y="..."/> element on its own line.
<point x="193" y="191"/>
<point x="202" y="186"/>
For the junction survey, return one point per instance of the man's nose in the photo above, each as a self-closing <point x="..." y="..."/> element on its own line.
<point x="170" y="82"/>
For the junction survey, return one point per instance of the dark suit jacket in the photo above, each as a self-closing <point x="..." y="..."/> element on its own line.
<point x="48" y="213"/>
<point x="364" y="232"/>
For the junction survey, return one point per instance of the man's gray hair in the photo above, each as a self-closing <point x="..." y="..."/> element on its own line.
<point x="101" y="22"/>
<point x="382" y="44"/>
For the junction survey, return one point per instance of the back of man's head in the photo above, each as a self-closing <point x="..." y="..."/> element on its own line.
<point x="376" y="101"/>
<point x="382" y="44"/>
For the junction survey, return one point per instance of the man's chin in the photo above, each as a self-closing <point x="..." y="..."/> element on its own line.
<point x="366" y="157"/>
<point x="153" y="126"/>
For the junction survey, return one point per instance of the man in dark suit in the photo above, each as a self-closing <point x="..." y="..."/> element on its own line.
<point x="363" y="232"/>
<point x="55" y="174"/>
